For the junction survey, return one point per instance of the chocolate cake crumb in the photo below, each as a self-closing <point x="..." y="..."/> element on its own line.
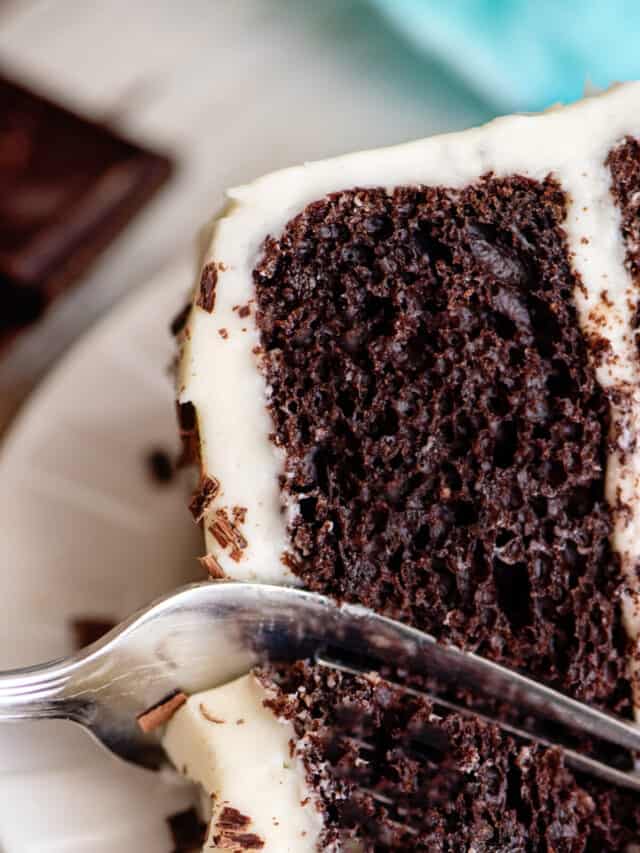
<point x="187" y="831"/>
<point x="444" y="434"/>
<point x="624" y="166"/>
<point x="89" y="629"/>
<point x="160" y="466"/>
<point x="207" y="293"/>
<point x="223" y="333"/>
<point x="453" y="783"/>
<point x="212" y="566"/>
<point x="203" y="496"/>
<point x="162" y="712"/>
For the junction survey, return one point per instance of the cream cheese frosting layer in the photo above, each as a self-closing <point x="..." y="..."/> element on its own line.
<point x="220" y="372"/>
<point x="227" y="741"/>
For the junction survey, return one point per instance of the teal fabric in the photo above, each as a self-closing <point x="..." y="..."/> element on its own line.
<point x="525" y="54"/>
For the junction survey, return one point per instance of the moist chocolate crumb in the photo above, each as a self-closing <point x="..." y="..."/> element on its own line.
<point x="207" y="293"/>
<point x="160" y="466"/>
<point x="443" y="430"/>
<point x="212" y="566"/>
<point x="223" y="333"/>
<point x="456" y="783"/>
<point x="180" y="320"/>
<point x="623" y="162"/>
<point x="89" y="629"/>
<point x="203" y="496"/>
<point x="162" y="712"/>
<point x="187" y="831"/>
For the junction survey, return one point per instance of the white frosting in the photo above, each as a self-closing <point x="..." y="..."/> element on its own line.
<point x="221" y="378"/>
<point x="245" y="766"/>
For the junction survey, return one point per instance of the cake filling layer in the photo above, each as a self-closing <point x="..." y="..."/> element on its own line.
<point x="239" y="752"/>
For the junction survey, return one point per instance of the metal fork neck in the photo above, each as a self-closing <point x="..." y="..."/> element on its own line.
<point x="39" y="692"/>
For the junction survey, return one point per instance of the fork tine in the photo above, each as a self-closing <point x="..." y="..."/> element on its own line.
<point x="579" y="762"/>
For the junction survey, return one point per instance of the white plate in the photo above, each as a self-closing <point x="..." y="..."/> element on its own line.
<point x="85" y="532"/>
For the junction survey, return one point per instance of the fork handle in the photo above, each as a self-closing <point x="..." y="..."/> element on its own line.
<point x="38" y="693"/>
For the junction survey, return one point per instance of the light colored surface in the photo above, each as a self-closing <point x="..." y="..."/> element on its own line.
<point x="236" y="89"/>
<point x="239" y="752"/>
<point x="84" y="532"/>
<point x="570" y="143"/>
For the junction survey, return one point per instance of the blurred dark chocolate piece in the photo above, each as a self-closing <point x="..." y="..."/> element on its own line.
<point x="88" y="629"/>
<point x="187" y="830"/>
<point x="67" y="187"/>
<point x="160" y="466"/>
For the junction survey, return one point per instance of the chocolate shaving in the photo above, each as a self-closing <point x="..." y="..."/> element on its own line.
<point x="161" y="713"/>
<point x="227" y="534"/>
<point x="87" y="630"/>
<point x="203" y="496"/>
<point x="208" y="283"/>
<point x="207" y="715"/>
<point x="239" y="514"/>
<point x="231" y="818"/>
<point x="239" y="841"/>
<point x="212" y="566"/>
<point x="189" y="436"/>
<point x="230" y="823"/>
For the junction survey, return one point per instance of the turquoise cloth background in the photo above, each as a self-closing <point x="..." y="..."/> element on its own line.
<point x="525" y="54"/>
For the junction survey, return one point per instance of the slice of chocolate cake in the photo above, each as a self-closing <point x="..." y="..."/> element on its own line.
<point x="411" y="377"/>
<point x="302" y="759"/>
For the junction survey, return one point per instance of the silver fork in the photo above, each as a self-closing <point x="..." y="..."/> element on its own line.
<point x="206" y="634"/>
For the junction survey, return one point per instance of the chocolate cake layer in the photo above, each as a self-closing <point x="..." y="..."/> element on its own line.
<point x="416" y="371"/>
<point x="397" y="776"/>
<point x="443" y="430"/>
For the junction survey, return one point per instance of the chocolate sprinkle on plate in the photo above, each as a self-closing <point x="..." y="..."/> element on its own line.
<point x="89" y="629"/>
<point x="160" y="465"/>
<point x="187" y="831"/>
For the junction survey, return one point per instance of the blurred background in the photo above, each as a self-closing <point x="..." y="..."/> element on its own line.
<point x="230" y="89"/>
